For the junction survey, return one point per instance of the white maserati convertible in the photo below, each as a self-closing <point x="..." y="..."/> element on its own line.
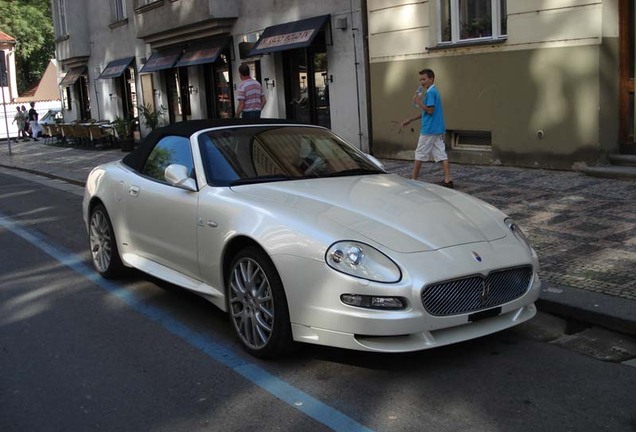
<point x="301" y="237"/>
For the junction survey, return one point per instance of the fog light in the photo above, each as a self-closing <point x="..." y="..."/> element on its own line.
<point x="351" y="299"/>
<point x="386" y="303"/>
<point x="372" y="302"/>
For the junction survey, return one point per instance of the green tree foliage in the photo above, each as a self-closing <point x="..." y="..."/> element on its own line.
<point x="30" y="23"/>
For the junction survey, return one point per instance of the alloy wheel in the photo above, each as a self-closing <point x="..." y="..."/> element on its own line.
<point x="101" y="238"/>
<point x="251" y="303"/>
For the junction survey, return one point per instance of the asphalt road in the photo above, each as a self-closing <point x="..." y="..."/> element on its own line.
<point x="81" y="353"/>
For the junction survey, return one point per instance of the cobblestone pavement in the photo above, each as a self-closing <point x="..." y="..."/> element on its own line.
<point x="583" y="228"/>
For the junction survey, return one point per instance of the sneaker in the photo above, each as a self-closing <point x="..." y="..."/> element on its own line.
<point x="449" y="184"/>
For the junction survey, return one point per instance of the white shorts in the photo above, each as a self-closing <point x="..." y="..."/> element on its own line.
<point x="431" y="145"/>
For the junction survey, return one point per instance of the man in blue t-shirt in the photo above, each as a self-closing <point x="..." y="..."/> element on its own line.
<point x="431" y="140"/>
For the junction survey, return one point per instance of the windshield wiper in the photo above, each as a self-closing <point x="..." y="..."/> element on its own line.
<point x="355" y="172"/>
<point x="262" y="179"/>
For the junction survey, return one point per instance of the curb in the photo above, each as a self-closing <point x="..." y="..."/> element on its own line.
<point x="44" y="174"/>
<point x="589" y="307"/>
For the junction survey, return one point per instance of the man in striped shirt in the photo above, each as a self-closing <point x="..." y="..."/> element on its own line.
<point x="250" y="95"/>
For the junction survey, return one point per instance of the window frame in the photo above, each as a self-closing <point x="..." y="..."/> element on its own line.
<point x="119" y="10"/>
<point x="146" y="5"/>
<point x="471" y="140"/>
<point x="497" y="33"/>
<point x="67" y="99"/>
<point x="61" y="17"/>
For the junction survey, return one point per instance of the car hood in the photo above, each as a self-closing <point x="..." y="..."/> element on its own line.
<point x="402" y="215"/>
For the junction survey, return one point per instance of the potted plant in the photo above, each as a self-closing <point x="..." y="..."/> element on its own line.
<point x="123" y="130"/>
<point x="152" y="118"/>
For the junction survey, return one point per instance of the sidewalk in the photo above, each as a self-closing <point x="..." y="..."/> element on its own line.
<point x="583" y="228"/>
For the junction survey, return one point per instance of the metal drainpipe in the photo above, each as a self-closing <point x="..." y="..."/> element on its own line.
<point x="357" y="64"/>
<point x="367" y="78"/>
<point x="99" y="116"/>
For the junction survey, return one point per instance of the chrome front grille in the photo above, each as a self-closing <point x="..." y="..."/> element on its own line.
<point x="477" y="292"/>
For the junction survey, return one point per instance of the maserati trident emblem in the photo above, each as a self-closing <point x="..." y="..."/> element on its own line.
<point x="476" y="256"/>
<point x="485" y="292"/>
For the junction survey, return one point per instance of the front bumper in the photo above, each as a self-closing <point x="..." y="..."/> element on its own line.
<point x="414" y="341"/>
<point x="319" y="317"/>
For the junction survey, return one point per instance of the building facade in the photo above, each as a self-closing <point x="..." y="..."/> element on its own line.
<point x="182" y="57"/>
<point x="546" y="84"/>
<point x="8" y="77"/>
<point x="543" y="84"/>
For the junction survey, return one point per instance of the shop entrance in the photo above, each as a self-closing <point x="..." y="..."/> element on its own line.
<point x="81" y="86"/>
<point x="218" y="76"/>
<point x="127" y="90"/>
<point x="307" y="82"/>
<point x="178" y="94"/>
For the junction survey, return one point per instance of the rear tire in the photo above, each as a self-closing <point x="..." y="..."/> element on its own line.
<point x="257" y="305"/>
<point x="103" y="245"/>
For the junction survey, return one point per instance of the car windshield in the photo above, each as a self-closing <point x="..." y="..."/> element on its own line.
<point x="247" y="155"/>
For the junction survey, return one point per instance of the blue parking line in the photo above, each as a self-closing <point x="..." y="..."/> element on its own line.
<point x="294" y="397"/>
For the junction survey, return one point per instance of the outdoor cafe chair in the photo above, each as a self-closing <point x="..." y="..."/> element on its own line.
<point x="67" y="134"/>
<point x="99" y="135"/>
<point x="81" y="135"/>
<point x="53" y="134"/>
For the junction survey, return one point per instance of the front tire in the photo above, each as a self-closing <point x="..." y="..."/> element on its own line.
<point x="104" y="252"/>
<point x="257" y="305"/>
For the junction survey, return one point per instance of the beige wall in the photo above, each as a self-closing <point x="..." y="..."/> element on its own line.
<point x="398" y="28"/>
<point x="554" y="21"/>
<point x="559" y="91"/>
<point x="403" y="29"/>
<point x="557" y="72"/>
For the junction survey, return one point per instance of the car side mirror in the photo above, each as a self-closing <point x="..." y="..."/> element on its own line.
<point x="179" y="176"/>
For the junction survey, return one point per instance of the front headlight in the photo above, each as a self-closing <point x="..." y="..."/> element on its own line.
<point x="362" y="261"/>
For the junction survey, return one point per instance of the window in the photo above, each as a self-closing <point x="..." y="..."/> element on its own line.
<point x="169" y="150"/>
<point x="471" y="140"/>
<point x="61" y="11"/>
<point x="67" y="99"/>
<point x="143" y="3"/>
<point x="471" y="20"/>
<point x="119" y="10"/>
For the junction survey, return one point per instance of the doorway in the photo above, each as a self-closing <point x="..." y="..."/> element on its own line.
<point x="178" y="94"/>
<point x="307" y="82"/>
<point x="128" y="92"/>
<point x="218" y="76"/>
<point x="84" y="98"/>
<point x="627" y="65"/>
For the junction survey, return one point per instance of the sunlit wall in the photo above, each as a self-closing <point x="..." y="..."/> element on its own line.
<point x="546" y="92"/>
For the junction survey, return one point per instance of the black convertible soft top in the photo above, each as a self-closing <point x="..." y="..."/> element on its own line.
<point x="136" y="159"/>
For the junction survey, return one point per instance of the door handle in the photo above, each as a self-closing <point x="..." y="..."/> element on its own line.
<point x="133" y="191"/>
<point x="210" y="223"/>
